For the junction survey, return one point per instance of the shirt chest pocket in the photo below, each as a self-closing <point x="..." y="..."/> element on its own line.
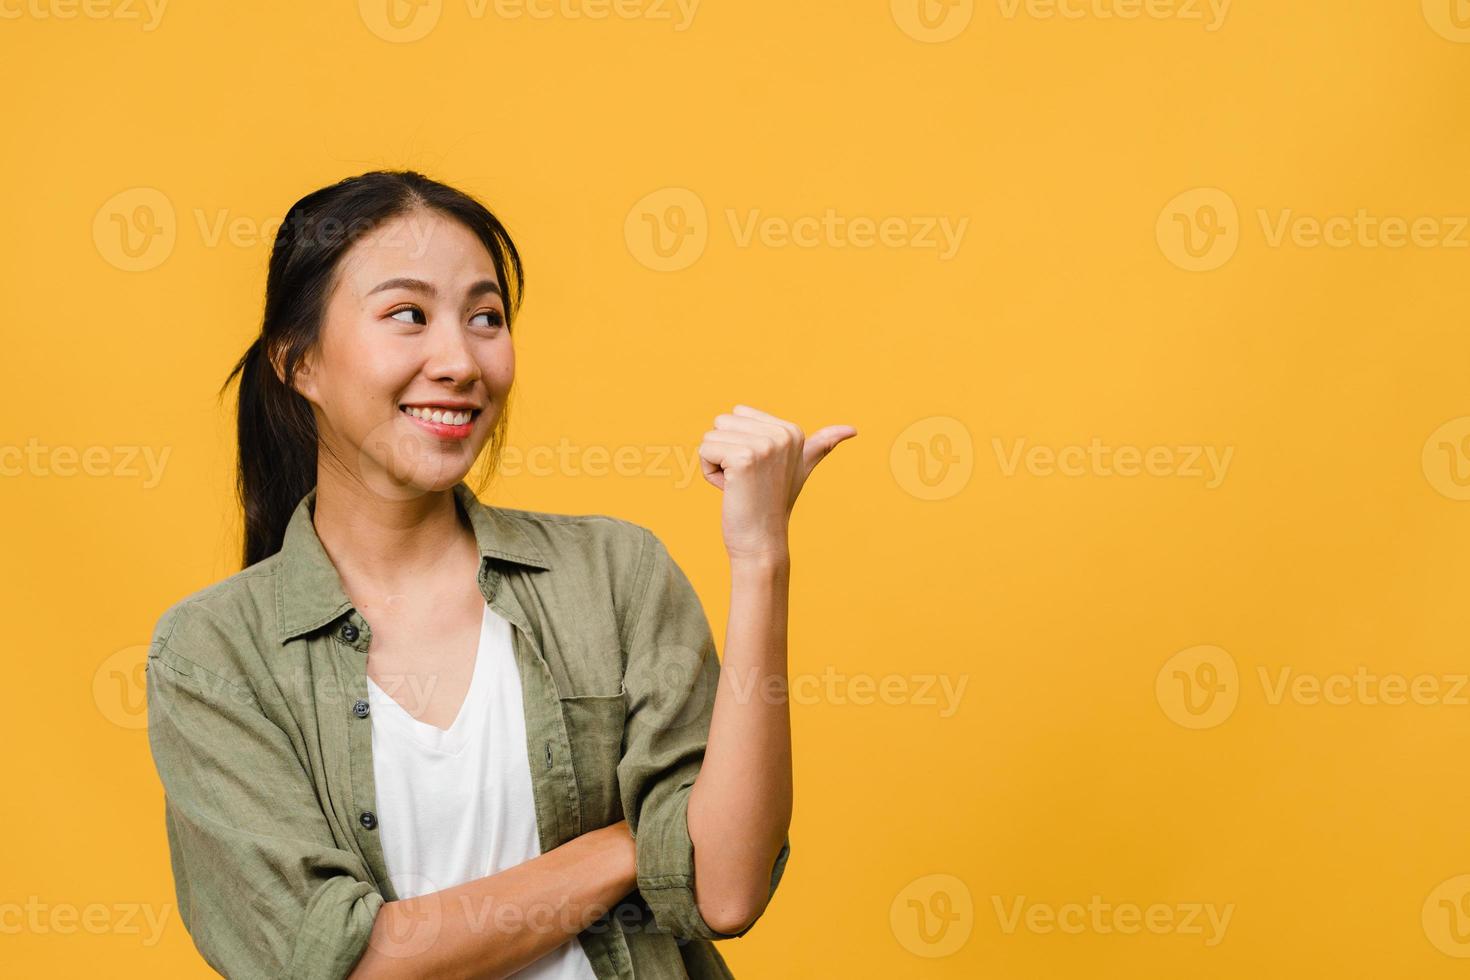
<point x="595" y="728"/>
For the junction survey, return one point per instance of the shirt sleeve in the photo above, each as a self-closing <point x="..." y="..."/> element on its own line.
<point x="671" y="677"/>
<point x="261" y="886"/>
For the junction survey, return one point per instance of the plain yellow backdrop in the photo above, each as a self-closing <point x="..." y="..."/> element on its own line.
<point x="1128" y="634"/>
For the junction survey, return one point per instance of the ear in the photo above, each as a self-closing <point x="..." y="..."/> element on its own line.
<point x="304" y="381"/>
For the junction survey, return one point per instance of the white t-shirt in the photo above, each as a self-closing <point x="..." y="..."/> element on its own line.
<point x="455" y="804"/>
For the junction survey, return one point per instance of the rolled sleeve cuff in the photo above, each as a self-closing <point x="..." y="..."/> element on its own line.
<point x="665" y="856"/>
<point x="335" y="934"/>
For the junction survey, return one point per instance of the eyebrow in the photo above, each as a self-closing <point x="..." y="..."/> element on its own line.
<point x="419" y="285"/>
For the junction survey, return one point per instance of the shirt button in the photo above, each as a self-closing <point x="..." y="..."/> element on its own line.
<point x="349" y="632"/>
<point x="360" y="708"/>
<point x="369" y="819"/>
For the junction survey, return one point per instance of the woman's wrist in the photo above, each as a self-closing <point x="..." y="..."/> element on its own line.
<point x="775" y="560"/>
<point x="615" y="843"/>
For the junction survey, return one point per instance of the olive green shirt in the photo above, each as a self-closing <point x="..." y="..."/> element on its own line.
<point x="257" y="721"/>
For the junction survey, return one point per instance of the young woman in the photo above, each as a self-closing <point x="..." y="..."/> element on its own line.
<point x="419" y="735"/>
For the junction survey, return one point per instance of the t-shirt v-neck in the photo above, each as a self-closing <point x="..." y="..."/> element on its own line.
<point x="456" y="804"/>
<point x="449" y="740"/>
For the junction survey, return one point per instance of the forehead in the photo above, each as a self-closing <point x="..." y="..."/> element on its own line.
<point x="421" y="245"/>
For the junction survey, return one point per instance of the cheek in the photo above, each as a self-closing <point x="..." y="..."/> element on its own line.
<point x="373" y="376"/>
<point x="499" y="370"/>
<point x="365" y="386"/>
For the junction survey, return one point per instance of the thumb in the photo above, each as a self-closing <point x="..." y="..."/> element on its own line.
<point x="823" y="441"/>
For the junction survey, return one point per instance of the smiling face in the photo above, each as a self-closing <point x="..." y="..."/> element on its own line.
<point x="414" y="361"/>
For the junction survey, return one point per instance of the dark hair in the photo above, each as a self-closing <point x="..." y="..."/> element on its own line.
<point x="276" y="429"/>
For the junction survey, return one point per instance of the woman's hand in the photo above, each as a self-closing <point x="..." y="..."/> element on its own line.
<point x="761" y="463"/>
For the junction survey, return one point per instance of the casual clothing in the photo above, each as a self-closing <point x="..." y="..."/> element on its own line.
<point x="258" y="721"/>
<point x="456" y="804"/>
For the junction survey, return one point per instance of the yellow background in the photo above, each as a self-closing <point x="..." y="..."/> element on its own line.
<point x="1079" y="150"/>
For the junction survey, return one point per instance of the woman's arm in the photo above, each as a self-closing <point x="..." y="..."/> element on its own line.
<point x="740" y="804"/>
<point x="498" y="924"/>
<point x="265" y="889"/>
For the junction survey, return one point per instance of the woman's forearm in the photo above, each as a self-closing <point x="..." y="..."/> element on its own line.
<point x="740" y="805"/>
<point x="493" y="926"/>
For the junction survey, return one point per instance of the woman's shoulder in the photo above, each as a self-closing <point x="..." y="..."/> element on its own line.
<point x="589" y="553"/>
<point x="575" y="537"/>
<point x="211" y="626"/>
<point x="541" y="517"/>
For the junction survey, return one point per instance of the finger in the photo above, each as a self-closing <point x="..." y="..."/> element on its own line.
<point x="715" y="456"/>
<point x="741" y="423"/>
<point x="717" y="448"/>
<point x="711" y="470"/>
<point x="759" y="433"/>
<point x="748" y="444"/>
<point x="822" y="442"/>
<point x="740" y="452"/>
<point x="756" y="413"/>
<point x="734" y="437"/>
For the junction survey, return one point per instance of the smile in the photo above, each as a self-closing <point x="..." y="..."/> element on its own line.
<point x="447" y="423"/>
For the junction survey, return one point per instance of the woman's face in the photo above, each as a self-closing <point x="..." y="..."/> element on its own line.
<point x="416" y="321"/>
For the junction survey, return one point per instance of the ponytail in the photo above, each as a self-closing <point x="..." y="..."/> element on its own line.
<point x="277" y="437"/>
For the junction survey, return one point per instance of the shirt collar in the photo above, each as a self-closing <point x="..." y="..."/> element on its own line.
<point x="309" y="591"/>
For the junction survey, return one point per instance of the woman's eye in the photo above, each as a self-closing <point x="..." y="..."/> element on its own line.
<point x="409" y="309"/>
<point x="493" y="318"/>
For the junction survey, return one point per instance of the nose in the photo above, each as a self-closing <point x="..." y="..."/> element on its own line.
<point x="451" y="358"/>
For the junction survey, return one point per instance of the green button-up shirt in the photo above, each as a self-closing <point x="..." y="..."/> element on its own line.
<point x="257" y="721"/>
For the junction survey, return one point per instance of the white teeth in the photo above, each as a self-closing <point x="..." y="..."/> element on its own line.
<point x="440" y="415"/>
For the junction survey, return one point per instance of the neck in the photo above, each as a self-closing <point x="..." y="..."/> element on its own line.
<point x="385" y="544"/>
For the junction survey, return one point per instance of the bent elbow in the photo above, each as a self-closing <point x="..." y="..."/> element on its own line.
<point x="730" y="915"/>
